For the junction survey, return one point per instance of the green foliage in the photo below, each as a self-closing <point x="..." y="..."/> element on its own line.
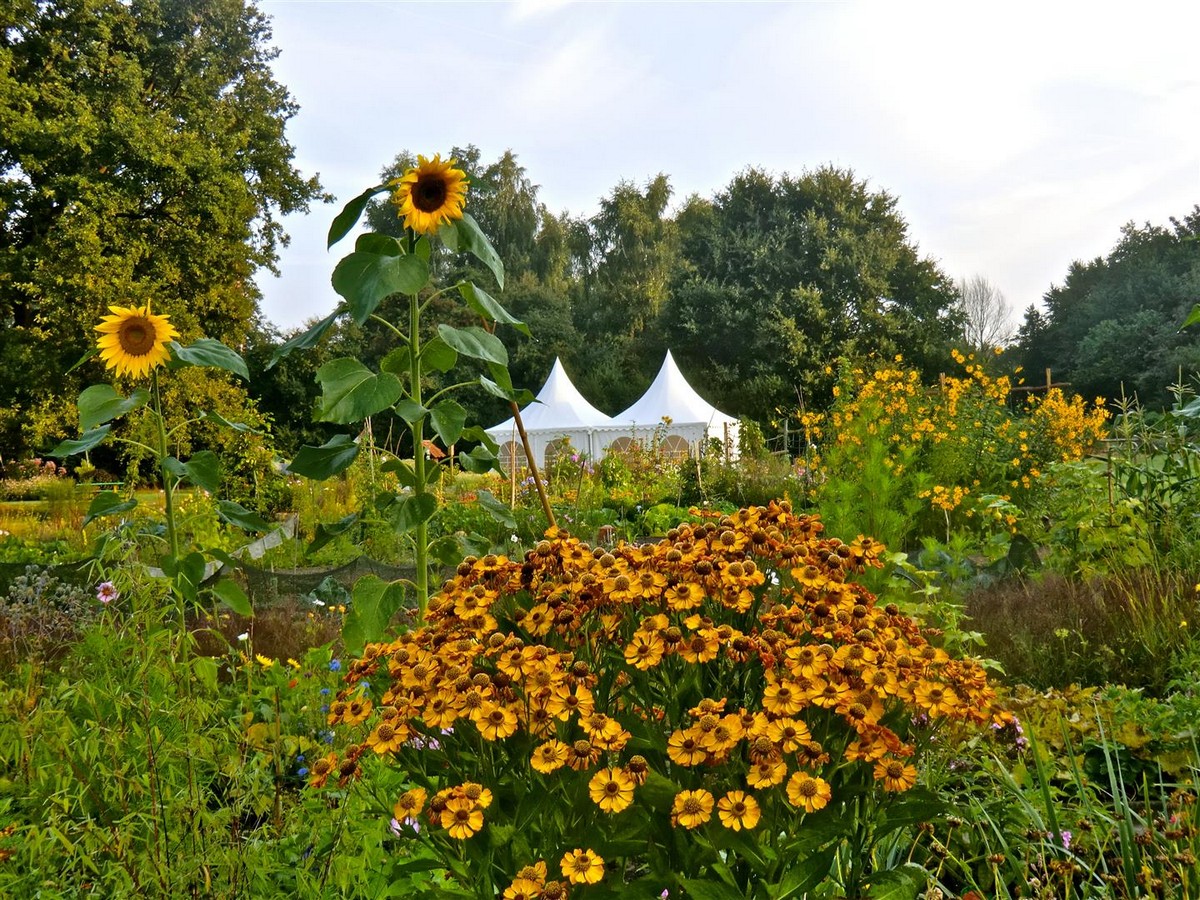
<point x="1136" y="296"/>
<point x="144" y="159"/>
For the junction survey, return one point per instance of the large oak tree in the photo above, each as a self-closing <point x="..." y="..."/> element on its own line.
<point x="143" y="159"/>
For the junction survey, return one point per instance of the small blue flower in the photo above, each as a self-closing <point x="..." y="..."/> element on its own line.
<point x="324" y="708"/>
<point x="366" y="686"/>
<point x="327" y="736"/>
<point x="325" y="692"/>
<point x="299" y="757"/>
<point x="335" y="665"/>
<point x="302" y="771"/>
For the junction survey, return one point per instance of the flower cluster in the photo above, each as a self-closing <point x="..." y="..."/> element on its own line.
<point x="735" y="666"/>
<point x="963" y="431"/>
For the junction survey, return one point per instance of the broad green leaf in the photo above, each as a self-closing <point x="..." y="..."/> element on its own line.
<point x="186" y="574"/>
<point x="373" y="604"/>
<point x="475" y="343"/>
<point x="498" y="510"/>
<point x="398" y="361"/>
<point x="203" y="470"/>
<point x="423" y="248"/>
<point x="411" y="510"/>
<point x="107" y="503"/>
<point x="319" y="463"/>
<point x="326" y="533"/>
<point x="476" y="433"/>
<point x="904" y="883"/>
<point x="240" y="427"/>
<point x="350" y="391"/>
<point x="85" y="442"/>
<point x="364" y="279"/>
<point x="383" y="244"/>
<point x="439" y="355"/>
<point x="479" y="460"/>
<point x="231" y="594"/>
<point x="206" y="670"/>
<point x="520" y="397"/>
<point x="472" y="239"/>
<point x="448" y="419"/>
<point x="490" y="308"/>
<point x="238" y="515"/>
<point x="349" y="216"/>
<point x="445" y="550"/>
<point x="804" y="875"/>
<point x="410" y="411"/>
<point x="1192" y="319"/>
<point x="208" y="353"/>
<point x="306" y="339"/>
<point x="101" y="403"/>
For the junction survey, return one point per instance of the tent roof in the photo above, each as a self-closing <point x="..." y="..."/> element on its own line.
<point x="671" y="395"/>
<point x="562" y="408"/>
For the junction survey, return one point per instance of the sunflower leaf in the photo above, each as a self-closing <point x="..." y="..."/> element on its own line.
<point x="231" y="594"/>
<point x="374" y="603"/>
<point x="487" y="306"/>
<point x="439" y="355"/>
<point x="364" y="279"/>
<point x="107" y="503"/>
<point x="475" y="343"/>
<point x="374" y="242"/>
<point x="350" y="391"/>
<point x="306" y="339"/>
<point x="448" y="419"/>
<point x="332" y="457"/>
<point x="348" y="217"/>
<point x="208" y="352"/>
<point x="85" y="442"/>
<point x="472" y="239"/>
<point x="101" y="403"/>
<point x="203" y="470"/>
<point x="238" y="515"/>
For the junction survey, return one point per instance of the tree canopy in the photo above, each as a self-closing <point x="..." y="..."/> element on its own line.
<point x="144" y="160"/>
<point x="1113" y="324"/>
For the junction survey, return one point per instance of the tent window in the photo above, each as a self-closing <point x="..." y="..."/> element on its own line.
<point x="512" y="451"/>
<point x="619" y="446"/>
<point x="675" y="448"/>
<point x="556" y="450"/>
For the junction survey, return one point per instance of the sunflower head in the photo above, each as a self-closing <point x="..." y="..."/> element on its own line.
<point x="430" y="193"/>
<point x="133" y="340"/>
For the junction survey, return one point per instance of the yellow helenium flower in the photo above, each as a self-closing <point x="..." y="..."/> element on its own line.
<point x="462" y="818"/>
<point x="133" y="340"/>
<point x="895" y="774"/>
<point x="429" y="194"/>
<point x="582" y="866"/>
<point x="550" y="756"/>
<point x="611" y="790"/>
<point x="692" y="808"/>
<point x="807" y="792"/>
<point x="738" y="810"/>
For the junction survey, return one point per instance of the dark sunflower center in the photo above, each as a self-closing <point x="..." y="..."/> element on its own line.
<point x="429" y="193"/>
<point x="612" y="788"/>
<point x="136" y="336"/>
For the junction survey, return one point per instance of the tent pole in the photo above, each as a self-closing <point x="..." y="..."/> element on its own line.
<point x="533" y="470"/>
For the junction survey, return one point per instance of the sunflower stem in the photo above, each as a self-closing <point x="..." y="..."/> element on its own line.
<point x="421" y="543"/>
<point x="168" y="487"/>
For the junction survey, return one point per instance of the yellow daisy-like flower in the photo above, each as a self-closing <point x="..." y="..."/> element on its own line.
<point x="738" y="810"/>
<point x="430" y="193"/>
<point x="582" y="866"/>
<point x="522" y="889"/>
<point x="692" y="808"/>
<point x="410" y="804"/>
<point x="807" y="792"/>
<point x="462" y="818"/>
<point x="611" y="790"/>
<point x="133" y="340"/>
<point x="767" y="773"/>
<point x="895" y="774"/>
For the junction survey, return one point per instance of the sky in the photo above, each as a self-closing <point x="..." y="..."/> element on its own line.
<point x="1016" y="137"/>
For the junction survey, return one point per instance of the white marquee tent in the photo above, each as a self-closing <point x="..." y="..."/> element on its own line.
<point x="692" y="418"/>
<point x="561" y="413"/>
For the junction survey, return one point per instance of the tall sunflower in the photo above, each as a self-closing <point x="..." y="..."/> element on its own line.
<point x="430" y="193"/>
<point x="133" y="340"/>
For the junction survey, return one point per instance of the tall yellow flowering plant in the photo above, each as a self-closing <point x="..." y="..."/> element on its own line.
<point x="430" y="199"/>
<point x="726" y="713"/>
